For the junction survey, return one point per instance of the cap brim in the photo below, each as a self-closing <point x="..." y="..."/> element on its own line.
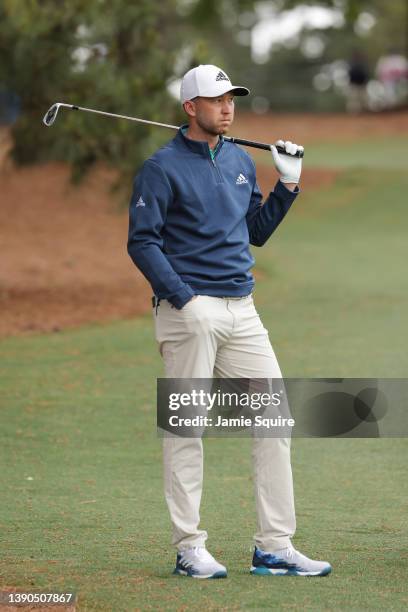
<point x="240" y="91"/>
<point x="236" y="90"/>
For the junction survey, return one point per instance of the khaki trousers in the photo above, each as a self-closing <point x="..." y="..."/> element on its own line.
<point x="224" y="338"/>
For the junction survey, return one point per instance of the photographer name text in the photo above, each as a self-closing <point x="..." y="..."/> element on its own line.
<point x="205" y="421"/>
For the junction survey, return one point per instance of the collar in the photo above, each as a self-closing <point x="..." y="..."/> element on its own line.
<point x="198" y="146"/>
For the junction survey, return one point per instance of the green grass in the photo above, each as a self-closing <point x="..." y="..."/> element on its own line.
<point x="384" y="153"/>
<point x="336" y="299"/>
<point x="78" y="418"/>
<point x="81" y="486"/>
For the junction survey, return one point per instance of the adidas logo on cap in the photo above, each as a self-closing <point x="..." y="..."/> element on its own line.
<point x="140" y="202"/>
<point x="221" y="76"/>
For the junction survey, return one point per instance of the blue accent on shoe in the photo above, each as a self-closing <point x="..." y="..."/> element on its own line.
<point x="264" y="571"/>
<point x="219" y="575"/>
<point x="191" y="574"/>
<point x="268" y="564"/>
<point x="260" y="571"/>
<point x="268" y="560"/>
<point x="189" y="571"/>
<point x="326" y="571"/>
<point x="182" y="569"/>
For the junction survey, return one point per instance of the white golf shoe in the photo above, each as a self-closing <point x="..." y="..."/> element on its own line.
<point x="287" y="562"/>
<point x="197" y="562"/>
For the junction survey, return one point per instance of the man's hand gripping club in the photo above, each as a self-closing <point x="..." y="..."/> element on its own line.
<point x="288" y="166"/>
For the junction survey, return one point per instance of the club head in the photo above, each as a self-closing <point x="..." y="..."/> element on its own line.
<point x="51" y="114"/>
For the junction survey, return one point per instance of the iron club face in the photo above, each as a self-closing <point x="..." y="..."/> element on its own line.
<point x="51" y="114"/>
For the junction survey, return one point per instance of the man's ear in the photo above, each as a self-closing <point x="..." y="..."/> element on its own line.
<point x="189" y="108"/>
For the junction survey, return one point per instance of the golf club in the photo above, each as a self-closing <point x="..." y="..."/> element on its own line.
<point x="51" y="115"/>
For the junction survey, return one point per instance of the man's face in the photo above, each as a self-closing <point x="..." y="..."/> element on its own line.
<point x="214" y="115"/>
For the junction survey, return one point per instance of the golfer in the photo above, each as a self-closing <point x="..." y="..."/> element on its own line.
<point x="196" y="208"/>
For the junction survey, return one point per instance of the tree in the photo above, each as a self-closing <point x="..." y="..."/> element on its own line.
<point x="110" y="55"/>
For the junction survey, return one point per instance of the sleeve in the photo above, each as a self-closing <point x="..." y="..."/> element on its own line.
<point x="262" y="220"/>
<point x="151" y="198"/>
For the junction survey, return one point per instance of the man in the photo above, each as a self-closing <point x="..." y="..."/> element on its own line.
<point x="358" y="76"/>
<point x="195" y="209"/>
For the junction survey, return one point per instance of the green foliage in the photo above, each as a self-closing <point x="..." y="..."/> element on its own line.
<point x="130" y="54"/>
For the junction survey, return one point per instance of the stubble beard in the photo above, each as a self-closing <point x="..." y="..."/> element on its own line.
<point x="210" y="128"/>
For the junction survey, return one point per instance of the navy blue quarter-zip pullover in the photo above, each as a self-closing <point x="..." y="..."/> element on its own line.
<point x="192" y="218"/>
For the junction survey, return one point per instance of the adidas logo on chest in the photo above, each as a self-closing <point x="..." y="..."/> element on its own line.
<point x="241" y="180"/>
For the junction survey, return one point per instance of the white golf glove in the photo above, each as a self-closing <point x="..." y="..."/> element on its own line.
<point x="288" y="166"/>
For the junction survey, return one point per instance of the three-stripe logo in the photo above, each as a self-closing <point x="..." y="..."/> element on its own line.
<point x="241" y="180"/>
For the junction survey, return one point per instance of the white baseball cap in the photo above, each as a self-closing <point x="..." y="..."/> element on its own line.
<point x="209" y="81"/>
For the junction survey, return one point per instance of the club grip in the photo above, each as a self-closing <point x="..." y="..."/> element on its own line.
<point x="260" y="145"/>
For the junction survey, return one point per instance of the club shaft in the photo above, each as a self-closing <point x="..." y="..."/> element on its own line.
<point x="241" y="141"/>
<point x="91" y="110"/>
